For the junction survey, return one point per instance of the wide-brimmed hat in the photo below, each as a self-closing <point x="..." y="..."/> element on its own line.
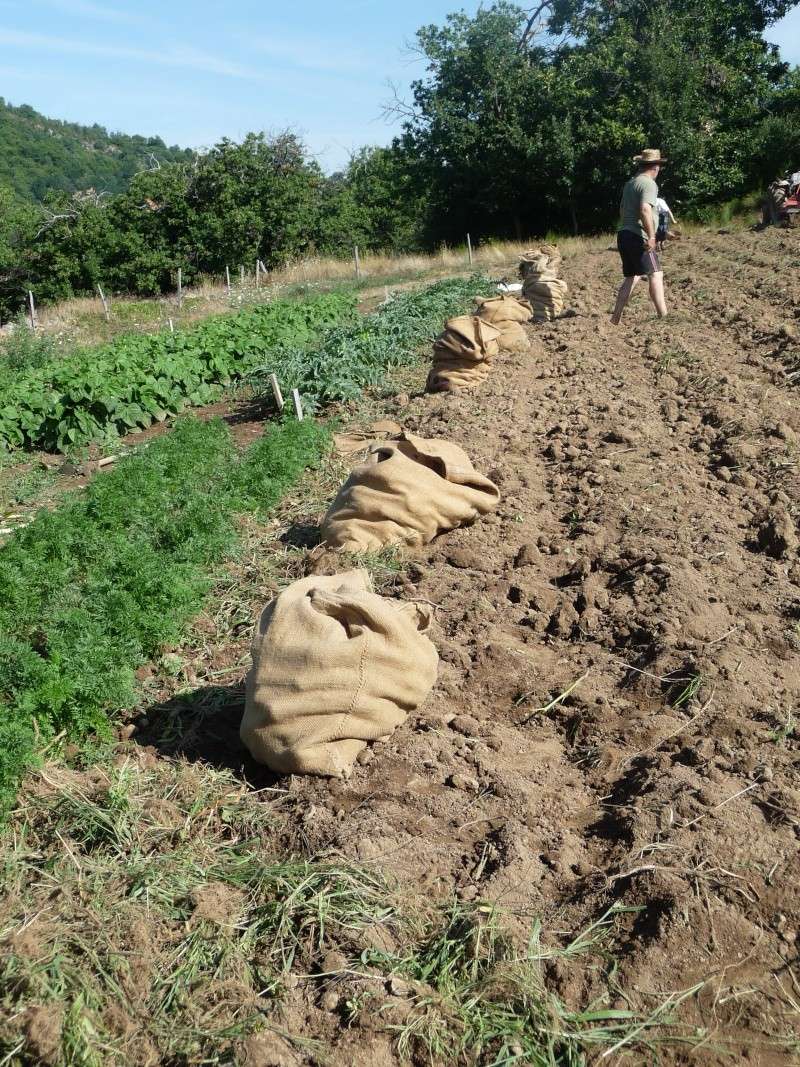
<point x="650" y="155"/>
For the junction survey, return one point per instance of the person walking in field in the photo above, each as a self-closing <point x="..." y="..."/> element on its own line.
<point x="636" y="237"/>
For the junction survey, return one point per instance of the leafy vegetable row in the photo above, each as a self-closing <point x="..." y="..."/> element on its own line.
<point x="354" y="355"/>
<point x="96" y="587"/>
<point x="142" y="378"/>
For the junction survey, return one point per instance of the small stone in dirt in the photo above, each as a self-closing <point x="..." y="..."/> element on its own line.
<point x="460" y="781"/>
<point x="466" y="725"/>
<point x="333" y="962"/>
<point x="527" y="556"/>
<point x="777" y="535"/>
<point x="571" y="452"/>
<point x="268" y="1050"/>
<point x="467" y="559"/>
<point x="724" y="474"/>
<point x="402" y="400"/>
<point x="398" y="988"/>
<point x="329" y="1001"/>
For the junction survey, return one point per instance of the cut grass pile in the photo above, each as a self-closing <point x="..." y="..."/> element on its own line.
<point x="93" y="589"/>
<point x="145" y="920"/>
<point x="59" y="402"/>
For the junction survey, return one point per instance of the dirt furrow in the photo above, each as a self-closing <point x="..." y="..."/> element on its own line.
<point x="643" y="563"/>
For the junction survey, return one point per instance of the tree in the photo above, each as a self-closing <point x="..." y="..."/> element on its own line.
<point x="527" y="119"/>
<point x="375" y="204"/>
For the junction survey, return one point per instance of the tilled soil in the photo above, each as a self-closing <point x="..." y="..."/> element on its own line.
<point x="645" y="549"/>
<point x="615" y="714"/>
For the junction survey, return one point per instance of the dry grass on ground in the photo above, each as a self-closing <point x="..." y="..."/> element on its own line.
<point x="81" y="321"/>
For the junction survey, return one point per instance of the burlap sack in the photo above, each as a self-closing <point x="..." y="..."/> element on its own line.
<point x="544" y="259"/>
<point x="513" y="337"/>
<point x="462" y="354"/>
<point x="506" y="313"/>
<point x="498" y="310"/>
<point x="334" y="666"/>
<point x="409" y="490"/>
<point x="546" y="296"/>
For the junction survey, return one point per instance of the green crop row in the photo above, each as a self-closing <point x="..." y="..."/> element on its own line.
<point x="352" y="356"/>
<point x="143" y="378"/>
<point x="96" y="587"/>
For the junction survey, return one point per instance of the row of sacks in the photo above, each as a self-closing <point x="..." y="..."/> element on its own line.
<point x="464" y="352"/>
<point x="542" y="287"/>
<point x="335" y="665"/>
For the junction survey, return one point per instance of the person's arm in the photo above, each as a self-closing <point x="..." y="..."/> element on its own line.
<point x="648" y="223"/>
<point x="671" y="216"/>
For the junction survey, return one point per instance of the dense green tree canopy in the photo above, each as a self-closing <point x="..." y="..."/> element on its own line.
<point x="527" y="119"/>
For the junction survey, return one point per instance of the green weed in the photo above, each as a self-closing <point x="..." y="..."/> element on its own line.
<point x="177" y="932"/>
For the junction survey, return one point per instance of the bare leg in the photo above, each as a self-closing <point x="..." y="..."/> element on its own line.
<point x="657" y="292"/>
<point x="623" y="296"/>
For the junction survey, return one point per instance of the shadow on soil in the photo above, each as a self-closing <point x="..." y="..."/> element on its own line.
<point x="203" y="725"/>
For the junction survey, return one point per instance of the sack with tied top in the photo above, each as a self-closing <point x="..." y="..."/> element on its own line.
<point x="546" y="296"/>
<point x="334" y="667"/>
<point x="409" y="490"/>
<point x="506" y="313"/>
<point x="545" y="260"/>
<point x="462" y="354"/>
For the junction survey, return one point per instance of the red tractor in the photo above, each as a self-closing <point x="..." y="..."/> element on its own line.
<point x="781" y="203"/>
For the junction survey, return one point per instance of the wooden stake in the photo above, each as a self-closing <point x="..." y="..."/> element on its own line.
<point x="171" y="327"/>
<point x="228" y="281"/>
<point x="276" y="391"/>
<point x="469" y="249"/>
<point x="358" y="262"/>
<point x="298" y="407"/>
<point x="105" y="302"/>
<point x="258" y="272"/>
<point x="263" y="268"/>
<point x="32" y="308"/>
<point x="241" y="275"/>
<point x="180" y="287"/>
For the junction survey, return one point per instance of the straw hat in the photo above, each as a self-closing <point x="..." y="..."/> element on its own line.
<point x="650" y="156"/>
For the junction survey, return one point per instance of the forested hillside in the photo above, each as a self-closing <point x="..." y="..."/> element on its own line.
<point x="41" y="154"/>
<point x="522" y="123"/>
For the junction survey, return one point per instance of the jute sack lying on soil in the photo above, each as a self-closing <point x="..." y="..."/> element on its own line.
<point x="462" y="354"/>
<point x="546" y="296"/>
<point x="409" y="490"/>
<point x="506" y="313"/>
<point x="334" y="666"/>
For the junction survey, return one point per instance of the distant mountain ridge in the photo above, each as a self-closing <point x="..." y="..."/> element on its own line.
<point x="38" y="154"/>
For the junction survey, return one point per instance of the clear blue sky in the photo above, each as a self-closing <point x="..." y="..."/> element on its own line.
<point x="193" y="71"/>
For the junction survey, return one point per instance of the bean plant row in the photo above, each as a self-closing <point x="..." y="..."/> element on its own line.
<point x="139" y="379"/>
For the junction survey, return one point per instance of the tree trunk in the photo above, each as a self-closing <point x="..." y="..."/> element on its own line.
<point x="518" y="226"/>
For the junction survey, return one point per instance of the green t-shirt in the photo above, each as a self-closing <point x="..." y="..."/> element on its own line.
<point x="638" y="189"/>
